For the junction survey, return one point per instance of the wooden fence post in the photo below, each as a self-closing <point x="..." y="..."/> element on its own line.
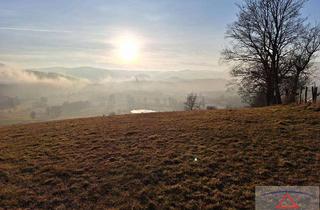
<point x="306" y="95"/>
<point x="300" y="95"/>
<point x="314" y="94"/>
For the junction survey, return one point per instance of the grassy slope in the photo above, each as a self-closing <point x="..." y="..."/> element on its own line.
<point x="147" y="160"/>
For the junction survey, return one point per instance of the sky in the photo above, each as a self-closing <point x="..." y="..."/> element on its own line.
<point x="114" y="34"/>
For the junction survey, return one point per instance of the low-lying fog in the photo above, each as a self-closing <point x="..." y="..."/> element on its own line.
<point x="59" y="93"/>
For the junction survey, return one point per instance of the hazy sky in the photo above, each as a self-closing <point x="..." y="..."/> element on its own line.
<point x="168" y="34"/>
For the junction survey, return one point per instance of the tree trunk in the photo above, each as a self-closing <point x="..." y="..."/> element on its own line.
<point x="306" y="95"/>
<point x="275" y="67"/>
<point x="278" y="95"/>
<point x="292" y="97"/>
<point x="270" y="93"/>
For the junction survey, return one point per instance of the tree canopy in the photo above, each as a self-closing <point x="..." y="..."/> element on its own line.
<point x="272" y="49"/>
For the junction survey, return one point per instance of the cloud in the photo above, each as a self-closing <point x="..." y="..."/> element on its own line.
<point x="46" y="30"/>
<point x="7" y="13"/>
<point x="109" y="79"/>
<point x="34" y="30"/>
<point x="10" y="75"/>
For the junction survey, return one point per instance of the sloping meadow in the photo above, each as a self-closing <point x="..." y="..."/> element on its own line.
<point x="179" y="160"/>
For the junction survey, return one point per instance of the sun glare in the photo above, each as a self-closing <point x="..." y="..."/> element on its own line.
<point x="129" y="50"/>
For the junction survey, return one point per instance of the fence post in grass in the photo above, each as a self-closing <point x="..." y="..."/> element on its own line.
<point x="300" y="95"/>
<point x="306" y="95"/>
<point x="314" y="94"/>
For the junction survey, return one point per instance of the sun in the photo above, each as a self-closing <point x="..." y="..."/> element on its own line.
<point x="129" y="50"/>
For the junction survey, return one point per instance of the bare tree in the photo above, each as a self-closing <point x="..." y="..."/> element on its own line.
<point x="191" y="102"/>
<point x="264" y="38"/>
<point x="300" y="60"/>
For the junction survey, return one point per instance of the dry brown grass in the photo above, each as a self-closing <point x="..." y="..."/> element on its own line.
<point x="147" y="161"/>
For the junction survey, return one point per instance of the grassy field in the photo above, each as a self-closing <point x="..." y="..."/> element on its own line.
<point x="180" y="160"/>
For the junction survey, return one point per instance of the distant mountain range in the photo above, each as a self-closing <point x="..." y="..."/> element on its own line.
<point x="50" y="75"/>
<point x="99" y="74"/>
<point x="9" y="75"/>
<point x="44" y="81"/>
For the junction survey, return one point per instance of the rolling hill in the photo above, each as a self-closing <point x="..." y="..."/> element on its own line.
<point x="96" y="74"/>
<point x="50" y="75"/>
<point x="12" y="76"/>
<point x="177" y="160"/>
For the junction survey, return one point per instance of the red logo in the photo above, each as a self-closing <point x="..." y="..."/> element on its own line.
<point x="287" y="202"/>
